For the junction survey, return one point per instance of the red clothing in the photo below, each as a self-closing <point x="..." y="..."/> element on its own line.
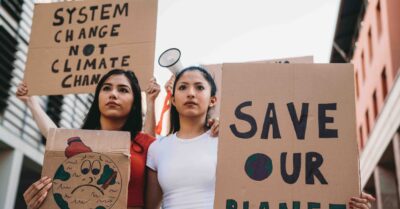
<point x="138" y="168"/>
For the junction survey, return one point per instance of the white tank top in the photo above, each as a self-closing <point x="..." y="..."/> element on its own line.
<point x="186" y="170"/>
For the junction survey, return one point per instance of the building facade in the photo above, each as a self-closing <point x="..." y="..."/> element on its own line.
<point x="21" y="144"/>
<point x="368" y="35"/>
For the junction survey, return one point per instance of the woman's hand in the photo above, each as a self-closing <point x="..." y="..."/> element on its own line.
<point x="37" y="193"/>
<point x="152" y="90"/>
<point x="22" y="92"/>
<point x="362" y="202"/>
<point x="214" y="124"/>
<point x="170" y="84"/>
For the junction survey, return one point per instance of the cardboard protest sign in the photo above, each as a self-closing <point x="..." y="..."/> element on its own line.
<point x="287" y="137"/>
<point x="74" y="43"/>
<point x="289" y="60"/>
<point x="215" y="71"/>
<point x="89" y="169"/>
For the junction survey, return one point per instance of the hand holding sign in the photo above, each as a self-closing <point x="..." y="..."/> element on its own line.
<point x="22" y="92"/>
<point x="37" y="193"/>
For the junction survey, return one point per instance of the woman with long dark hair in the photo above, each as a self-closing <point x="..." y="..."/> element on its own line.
<point x="117" y="105"/>
<point x="182" y="166"/>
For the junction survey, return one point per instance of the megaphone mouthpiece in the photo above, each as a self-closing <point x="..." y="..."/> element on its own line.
<point x="170" y="59"/>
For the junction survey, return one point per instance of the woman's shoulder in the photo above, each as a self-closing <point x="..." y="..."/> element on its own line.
<point x="165" y="138"/>
<point x="162" y="140"/>
<point x="209" y="136"/>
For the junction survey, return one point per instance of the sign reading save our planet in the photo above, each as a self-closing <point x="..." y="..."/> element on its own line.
<point x="287" y="137"/>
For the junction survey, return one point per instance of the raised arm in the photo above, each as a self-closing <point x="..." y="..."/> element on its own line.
<point x="152" y="92"/>
<point x="42" y="120"/>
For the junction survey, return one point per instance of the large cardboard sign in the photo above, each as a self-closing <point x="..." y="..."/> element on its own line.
<point x="287" y="137"/>
<point x="215" y="71"/>
<point x="289" y="60"/>
<point x="73" y="44"/>
<point x="89" y="169"/>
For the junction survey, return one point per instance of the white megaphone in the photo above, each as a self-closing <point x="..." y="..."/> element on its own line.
<point x="170" y="59"/>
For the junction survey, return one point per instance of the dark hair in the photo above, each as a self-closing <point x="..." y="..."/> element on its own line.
<point x="174" y="115"/>
<point x="134" y="121"/>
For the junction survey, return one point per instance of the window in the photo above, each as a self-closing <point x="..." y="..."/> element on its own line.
<point x="54" y="110"/>
<point x="379" y="18"/>
<point x="7" y="51"/>
<point x="361" y="137"/>
<point x="384" y="83"/>
<point x="363" y="65"/>
<point x="370" y="45"/>
<point x="357" y="87"/>
<point x="13" y="7"/>
<point x="375" y="103"/>
<point x="367" y="122"/>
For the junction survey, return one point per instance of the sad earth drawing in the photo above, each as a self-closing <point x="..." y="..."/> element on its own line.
<point x="86" y="179"/>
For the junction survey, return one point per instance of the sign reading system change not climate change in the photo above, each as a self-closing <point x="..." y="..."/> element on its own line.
<point x="74" y="43"/>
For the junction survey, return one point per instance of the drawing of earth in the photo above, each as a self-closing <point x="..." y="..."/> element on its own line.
<point x="258" y="166"/>
<point x="88" y="180"/>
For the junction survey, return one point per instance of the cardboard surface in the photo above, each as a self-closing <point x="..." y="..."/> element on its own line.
<point x="289" y="60"/>
<point x="73" y="44"/>
<point x="215" y="70"/>
<point x="272" y="152"/>
<point x="91" y="171"/>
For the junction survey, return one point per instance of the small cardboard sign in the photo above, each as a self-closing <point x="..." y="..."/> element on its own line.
<point x="287" y="137"/>
<point x="73" y="44"/>
<point x="215" y="71"/>
<point x="89" y="169"/>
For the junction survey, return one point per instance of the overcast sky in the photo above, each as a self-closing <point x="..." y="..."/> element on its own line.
<point x="215" y="31"/>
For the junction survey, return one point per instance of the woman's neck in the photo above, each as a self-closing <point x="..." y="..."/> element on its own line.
<point x="191" y="127"/>
<point x="111" y="124"/>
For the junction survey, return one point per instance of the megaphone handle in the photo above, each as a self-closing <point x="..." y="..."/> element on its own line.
<point x="165" y="108"/>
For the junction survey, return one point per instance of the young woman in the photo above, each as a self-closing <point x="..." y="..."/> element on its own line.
<point x="182" y="166"/>
<point x="117" y="105"/>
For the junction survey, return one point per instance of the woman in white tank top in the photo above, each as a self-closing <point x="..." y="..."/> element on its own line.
<point x="182" y="166"/>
